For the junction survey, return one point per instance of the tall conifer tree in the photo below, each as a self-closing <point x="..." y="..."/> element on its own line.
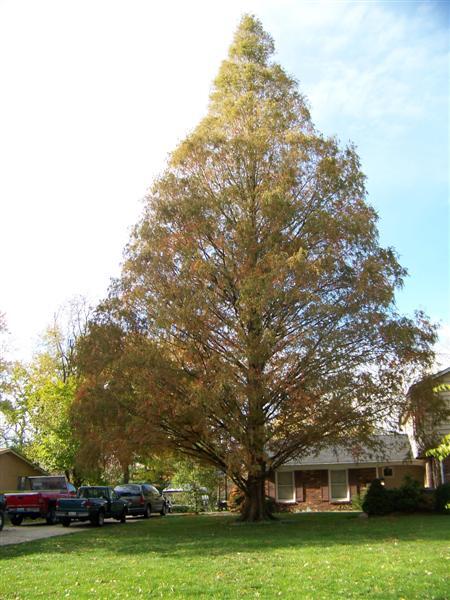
<point x="257" y="277"/>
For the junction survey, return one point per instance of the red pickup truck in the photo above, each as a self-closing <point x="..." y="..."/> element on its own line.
<point x="37" y="498"/>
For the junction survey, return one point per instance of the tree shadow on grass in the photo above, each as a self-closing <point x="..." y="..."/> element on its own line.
<point x="220" y="535"/>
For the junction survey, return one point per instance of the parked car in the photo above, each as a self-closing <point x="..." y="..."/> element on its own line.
<point x="94" y="504"/>
<point x="38" y="498"/>
<point x="143" y="499"/>
<point x="2" y="510"/>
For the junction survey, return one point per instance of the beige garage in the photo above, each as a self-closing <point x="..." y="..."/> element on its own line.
<point x="13" y="466"/>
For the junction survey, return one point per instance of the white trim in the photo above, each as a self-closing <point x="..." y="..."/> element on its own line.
<point x="347" y="497"/>
<point x="442" y="470"/>
<point x="294" y="498"/>
<point x="323" y="466"/>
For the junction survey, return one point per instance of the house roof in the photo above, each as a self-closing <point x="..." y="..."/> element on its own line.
<point x="37" y="467"/>
<point x="433" y="376"/>
<point x="389" y="448"/>
<point x="441" y="373"/>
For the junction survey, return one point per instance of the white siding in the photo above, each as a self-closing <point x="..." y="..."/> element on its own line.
<point x="444" y="427"/>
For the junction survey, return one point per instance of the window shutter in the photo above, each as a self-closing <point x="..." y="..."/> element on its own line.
<point x="299" y="496"/>
<point x="353" y="482"/>
<point x="324" y="485"/>
<point x="270" y="485"/>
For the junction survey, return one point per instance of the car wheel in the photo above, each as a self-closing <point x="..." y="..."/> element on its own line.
<point x="147" y="512"/>
<point x="163" y="510"/>
<point x="100" y="520"/>
<point x="16" y="519"/>
<point x="2" y="519"/>
<point x="66" y="522"/>
<point x="123" y="516"/>
<point x="51" y="517"/>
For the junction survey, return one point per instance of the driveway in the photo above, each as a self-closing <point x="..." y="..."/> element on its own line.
<point x="36" y="531"/>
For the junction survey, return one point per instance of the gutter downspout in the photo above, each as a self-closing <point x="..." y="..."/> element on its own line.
<point x="441" y="468"/>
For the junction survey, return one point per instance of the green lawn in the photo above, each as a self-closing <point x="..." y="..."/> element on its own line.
<point x="301" y="556"/>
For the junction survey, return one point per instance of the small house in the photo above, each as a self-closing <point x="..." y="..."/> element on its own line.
<point x="13" y="466"/>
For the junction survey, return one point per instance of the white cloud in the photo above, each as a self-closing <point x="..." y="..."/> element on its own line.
<point x="375" y="63"/>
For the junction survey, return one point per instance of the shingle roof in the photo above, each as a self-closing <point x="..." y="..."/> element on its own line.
<point x="394" y="447"/>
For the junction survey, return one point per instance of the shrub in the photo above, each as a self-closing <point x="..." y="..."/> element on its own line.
<point x="407" y="497"/>
<point x="442" y="498"/>
<point x="427" y="500"/>
<point x="358" y="500"/>
<point x="378" y="500"/>
<point x="181" y="508"/>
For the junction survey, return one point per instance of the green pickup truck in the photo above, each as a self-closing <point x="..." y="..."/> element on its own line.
<point x="94" y="504"/>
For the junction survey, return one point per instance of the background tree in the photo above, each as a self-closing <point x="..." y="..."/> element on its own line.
<point x="112" y="433"/>
<point x="200" y="483"/>
<point x="3" y="361"/>
<point x="16" y="430"/>
<point x="39" y="395"/>
<point x="257" y="278"/>
<point x="442" y="451"/>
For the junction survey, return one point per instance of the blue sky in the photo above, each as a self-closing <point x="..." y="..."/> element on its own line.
<point x="96" y="93"/>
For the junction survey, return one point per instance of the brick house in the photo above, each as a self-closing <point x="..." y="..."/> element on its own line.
<point x="330" y="479"/>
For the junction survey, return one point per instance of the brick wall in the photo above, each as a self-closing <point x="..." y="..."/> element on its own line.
<point x="312" y="489"/>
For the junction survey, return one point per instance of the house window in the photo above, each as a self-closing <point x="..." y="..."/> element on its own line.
<point x="388" y="472"/>
<point x="285" y="486"/>
<point x="339" y="491"/>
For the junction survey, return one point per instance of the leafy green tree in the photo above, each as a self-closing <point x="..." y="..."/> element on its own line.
<point x="38" y="398"/>
<point x="49" y="400"/>
<point x="257" y="279"/>
<point x="442" y="451"/>
<point x="199" y="481"/>
<point x="16" y="430"/>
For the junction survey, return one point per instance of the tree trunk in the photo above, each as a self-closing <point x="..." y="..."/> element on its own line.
<point x="254" y="506"/>
<point x="126" y="474"/>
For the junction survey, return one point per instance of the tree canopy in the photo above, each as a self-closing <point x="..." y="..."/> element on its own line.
<point x="257" y="279"/>
<point x="38" y="396"/>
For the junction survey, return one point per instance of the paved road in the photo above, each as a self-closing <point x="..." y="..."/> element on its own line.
<point x="36" y="531"/>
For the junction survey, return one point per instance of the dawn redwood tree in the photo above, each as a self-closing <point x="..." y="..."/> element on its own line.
<point x="257" y="276"/>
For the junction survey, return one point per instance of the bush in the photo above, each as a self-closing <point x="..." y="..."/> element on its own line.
<point x="181" y="508"/>
<point x="358" y="500"/>
<point x="442" y="498"/>
<point x="407" y="497"/>
<point x="378" y="500"/>
<point x="427" y="500"/>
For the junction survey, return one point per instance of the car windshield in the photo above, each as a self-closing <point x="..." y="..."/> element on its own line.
<point x="92" y="492"/>
<point x="128" y="490"/>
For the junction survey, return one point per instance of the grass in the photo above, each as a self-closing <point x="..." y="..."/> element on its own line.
<point x="301" y="556"/>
